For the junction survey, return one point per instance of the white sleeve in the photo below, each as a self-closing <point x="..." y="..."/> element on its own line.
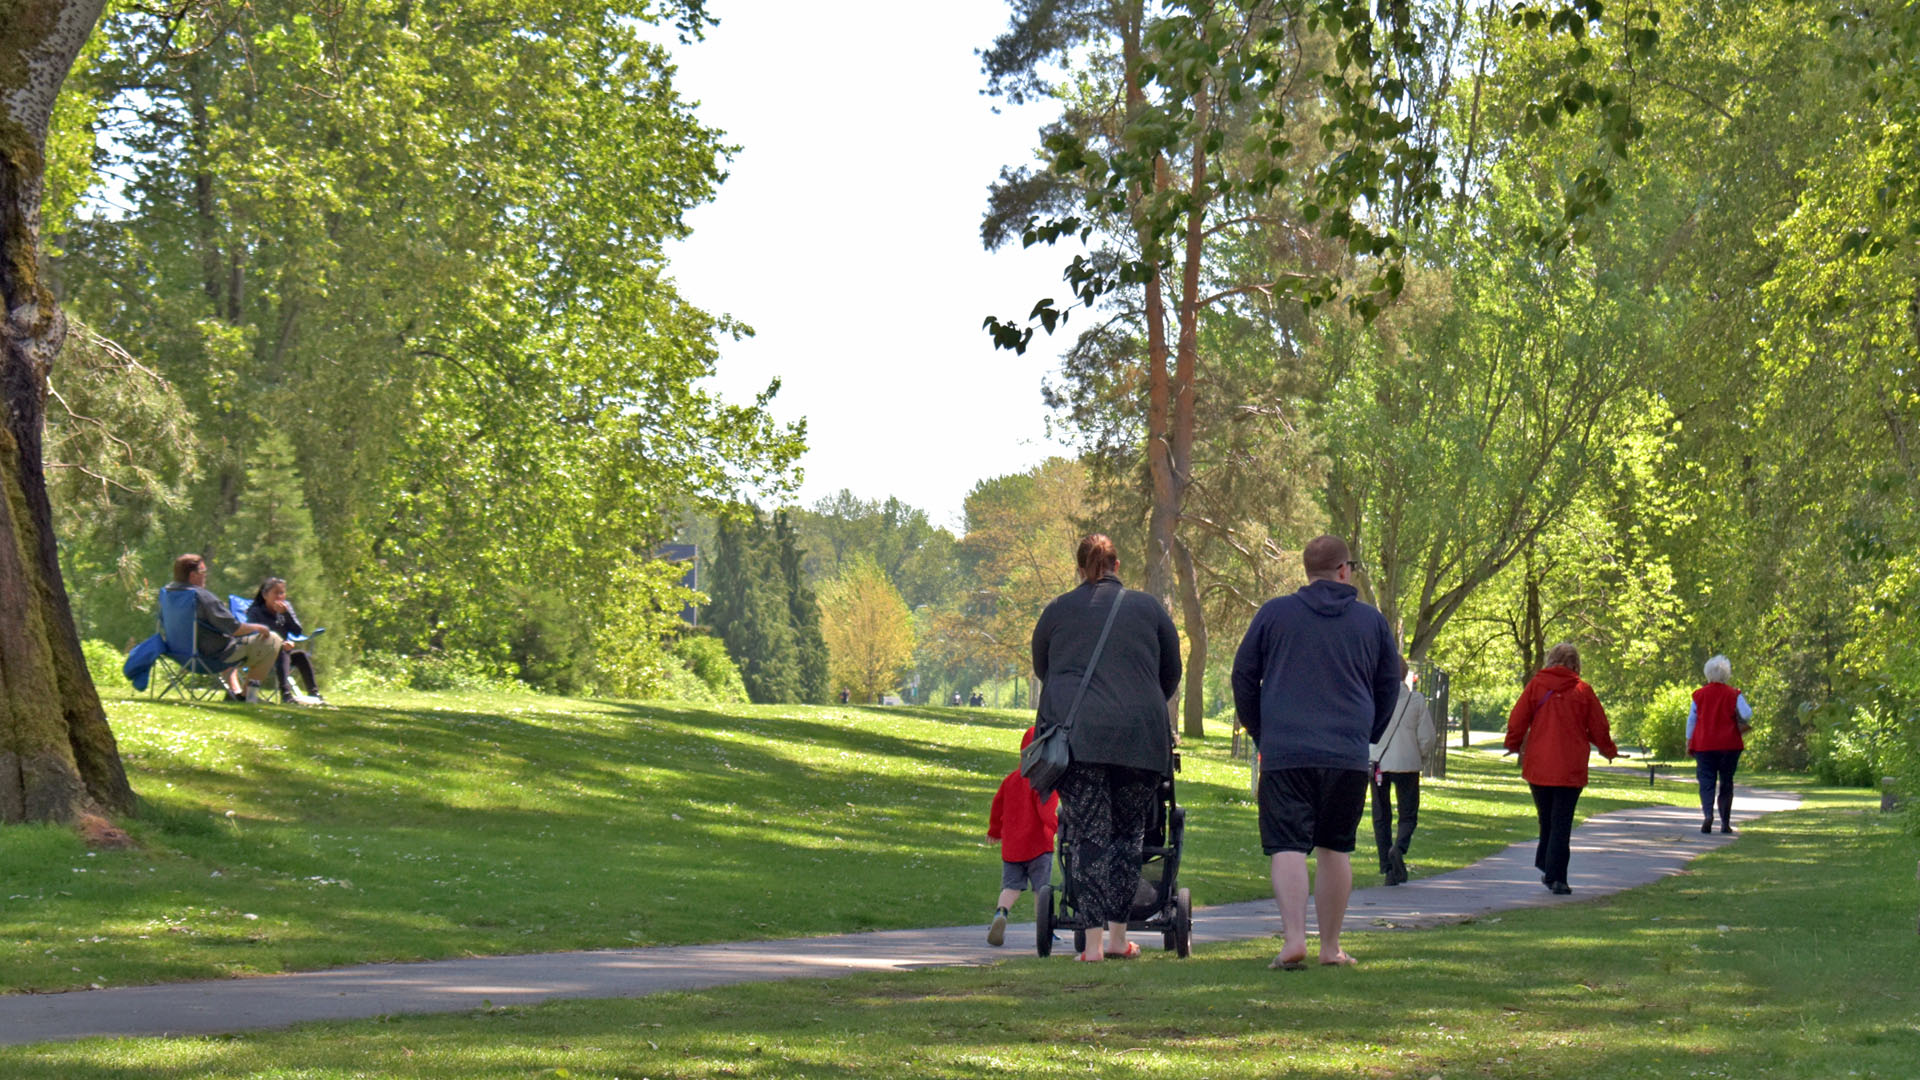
<point x="1693" y="714"/>
<point x="1745" y="710"/>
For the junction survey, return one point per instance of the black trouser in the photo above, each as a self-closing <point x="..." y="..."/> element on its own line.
<point x="1405" y="785"/>
<point x="1104" y="810"/>
<point x="1555" y="807"/>
<point x="1715" y="769"/>
<point x="294" y="658"/>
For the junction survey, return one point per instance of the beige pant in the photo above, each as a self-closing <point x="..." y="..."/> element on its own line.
<point x="256" y="653"/>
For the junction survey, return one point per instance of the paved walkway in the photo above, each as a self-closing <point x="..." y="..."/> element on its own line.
<point x="1611" y="852"/>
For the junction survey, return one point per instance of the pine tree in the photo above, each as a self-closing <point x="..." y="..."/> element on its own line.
<point x="749" y="610"/>
<point x="272" y="535"/>
<point x="804" y="610"/>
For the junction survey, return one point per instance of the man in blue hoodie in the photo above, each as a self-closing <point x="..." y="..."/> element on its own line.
<point x="1314" y="683"/>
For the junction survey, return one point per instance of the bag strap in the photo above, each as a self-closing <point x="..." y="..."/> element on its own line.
<point x="1066" y="722"/>
<point x="1399" y="715"/>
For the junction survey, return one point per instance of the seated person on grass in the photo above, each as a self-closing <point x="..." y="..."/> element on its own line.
<point x="225" y="643"/>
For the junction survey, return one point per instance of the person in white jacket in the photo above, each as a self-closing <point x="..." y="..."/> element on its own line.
<point x="1397" y="760"/>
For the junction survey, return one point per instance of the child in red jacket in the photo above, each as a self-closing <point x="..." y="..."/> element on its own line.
<point x="1024" y="825"/>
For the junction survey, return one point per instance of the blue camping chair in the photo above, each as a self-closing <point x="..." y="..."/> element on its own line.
<point x="183" y="671"/>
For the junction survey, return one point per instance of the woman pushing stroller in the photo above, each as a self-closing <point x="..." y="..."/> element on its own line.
<point x="1120" y="739"/>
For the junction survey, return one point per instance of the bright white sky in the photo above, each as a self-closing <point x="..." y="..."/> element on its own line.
<point x="847" y="236"/>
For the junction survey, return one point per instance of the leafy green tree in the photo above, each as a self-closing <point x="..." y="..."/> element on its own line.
<point x="918" y="557"/>
<point x="868" y="630"/>
<point x="432" y="303"/>
<point x="637" y="653"/>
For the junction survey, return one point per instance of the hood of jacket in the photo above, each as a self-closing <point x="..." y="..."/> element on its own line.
<point x="1328" y="598"/>
<point x="1556" y="679"/>
<point x="1025" y="739"/>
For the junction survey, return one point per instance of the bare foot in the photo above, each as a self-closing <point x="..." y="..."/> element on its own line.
<point x="1339" y="959"/>
<point x="1289" y="960"/>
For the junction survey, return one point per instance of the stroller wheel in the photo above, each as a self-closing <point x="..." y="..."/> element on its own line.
<point x="1043" y="920"/>
<point x="1183" y="925"/>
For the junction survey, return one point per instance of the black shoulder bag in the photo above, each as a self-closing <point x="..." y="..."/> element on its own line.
<point x="1046" y="758"/>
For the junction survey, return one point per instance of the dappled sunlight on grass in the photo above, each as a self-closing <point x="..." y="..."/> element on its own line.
<point x="408" y="826"/>
<point x="1640" y="985"/>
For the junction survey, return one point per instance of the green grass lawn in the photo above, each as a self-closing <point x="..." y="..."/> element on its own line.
<point x="1790" y="954"/>
<point x="419" y="826"/>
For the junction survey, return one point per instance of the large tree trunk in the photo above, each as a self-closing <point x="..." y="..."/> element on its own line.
<point x="58" y="759"/>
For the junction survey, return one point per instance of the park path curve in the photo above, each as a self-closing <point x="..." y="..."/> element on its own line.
<point x="1612" y="852"/>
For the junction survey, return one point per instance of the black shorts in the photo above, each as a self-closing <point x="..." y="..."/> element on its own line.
<point x="1303" y="809"/>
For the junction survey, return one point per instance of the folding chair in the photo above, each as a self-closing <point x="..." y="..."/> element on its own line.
<point x="179" y="664"/>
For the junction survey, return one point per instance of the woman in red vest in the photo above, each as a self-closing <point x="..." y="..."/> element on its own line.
<point x="1556" y="719"/>
<point x="1718" y="718"/>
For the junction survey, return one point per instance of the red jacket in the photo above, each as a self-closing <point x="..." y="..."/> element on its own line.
<point x="1556" y="718"/>
<point x="1716" y="722"/>
<point x="1019" y="820"/>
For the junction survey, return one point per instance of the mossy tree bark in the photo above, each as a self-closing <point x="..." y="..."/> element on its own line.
<point x="58" y="758"/>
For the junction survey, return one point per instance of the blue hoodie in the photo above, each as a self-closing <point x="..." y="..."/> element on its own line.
<point x="1316" y="678"/>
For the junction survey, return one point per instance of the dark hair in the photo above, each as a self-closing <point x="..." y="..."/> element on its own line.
<point x="185" y="565"/>
<point x="260" y="594"/>
<point x="1096" y="557"/>
<point x="1324" y="555"/>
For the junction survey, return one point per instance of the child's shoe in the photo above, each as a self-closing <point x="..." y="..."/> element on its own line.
<point x="997" y="930"/>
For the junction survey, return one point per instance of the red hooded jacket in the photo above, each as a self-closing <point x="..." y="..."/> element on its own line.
<point x="1019" y="820"/>
<point x="1556" y="718"/>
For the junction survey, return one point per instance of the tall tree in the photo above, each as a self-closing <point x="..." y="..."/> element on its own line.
<point x="750" y="609"/>
<point x="813" y="676"/>
<point x="272" y="532"/>
<point x="58" y="758"/>
<point x="868" y="629"/>
<point x="1291" y="128"/>
<point x="1022" y="533"/>
<point x="429" y="302"/>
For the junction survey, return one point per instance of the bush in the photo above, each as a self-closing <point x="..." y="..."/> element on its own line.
<point x="1660" y="724"/>
<point x="1862" y="747"/>
<point x="705" y="657"/>
<point x="449" y="670"/>
<point x="103" y="662"/>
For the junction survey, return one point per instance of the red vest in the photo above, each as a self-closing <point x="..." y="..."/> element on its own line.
<point x="1716" y="722"/>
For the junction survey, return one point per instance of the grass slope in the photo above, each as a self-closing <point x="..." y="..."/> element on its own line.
<point x="1787" y="955"/>
<point x="421" y="826"/>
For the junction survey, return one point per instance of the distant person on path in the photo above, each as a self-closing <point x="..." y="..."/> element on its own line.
<point x="271" y="609"/>
<point x="1024" y="824"/>
<point x="1717" y="722"/>
<point x="1121" y="741"/>
<point x="844" y="695"/>
<point x="226" y="644"/>
<point x="1315" y="683"/>
<point x="1398" y="758"/>
<point x="1556" y="719"/>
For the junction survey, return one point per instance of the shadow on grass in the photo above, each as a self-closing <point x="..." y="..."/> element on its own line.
<point x="1747" y="967"/>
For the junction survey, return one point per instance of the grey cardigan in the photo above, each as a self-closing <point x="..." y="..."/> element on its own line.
<point x="1123" y="720"/>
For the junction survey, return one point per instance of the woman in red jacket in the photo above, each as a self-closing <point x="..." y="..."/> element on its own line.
<point x="1551" y="726"/>
<point x="1716" y="722"/>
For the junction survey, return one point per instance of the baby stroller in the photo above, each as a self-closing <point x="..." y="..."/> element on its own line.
<point x="1158" y="904"/>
